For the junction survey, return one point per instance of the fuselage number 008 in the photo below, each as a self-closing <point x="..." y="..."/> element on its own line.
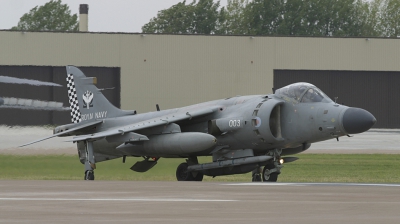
<point x="234" y="123"/>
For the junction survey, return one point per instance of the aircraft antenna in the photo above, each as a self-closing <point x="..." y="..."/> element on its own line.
<point x="110" y="88"/>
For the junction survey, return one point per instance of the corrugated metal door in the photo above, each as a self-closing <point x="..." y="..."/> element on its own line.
<point x="377" y="92"/>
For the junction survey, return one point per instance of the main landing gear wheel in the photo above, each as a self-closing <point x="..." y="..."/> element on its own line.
<point x="89" y="175"/>
<point x="183" y="175"/>
<point x="198" y="177"/>
<point x="269" y="177"/>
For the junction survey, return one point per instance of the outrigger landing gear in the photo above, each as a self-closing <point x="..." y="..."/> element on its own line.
<point x="90" y="164"/>
<point x="182" y="173"/>
<point x="89" y="175"/>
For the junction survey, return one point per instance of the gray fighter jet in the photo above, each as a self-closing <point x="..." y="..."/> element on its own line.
<point x="242" y="133"/>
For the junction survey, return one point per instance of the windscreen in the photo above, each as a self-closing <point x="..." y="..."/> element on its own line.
<point x="304" y="93"/>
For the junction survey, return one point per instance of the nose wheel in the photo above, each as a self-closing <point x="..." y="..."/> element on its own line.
<point x="273" y="168"/>
<point x="269" y="173"/>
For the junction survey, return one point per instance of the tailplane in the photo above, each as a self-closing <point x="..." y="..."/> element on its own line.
<point x="86" y="101"/>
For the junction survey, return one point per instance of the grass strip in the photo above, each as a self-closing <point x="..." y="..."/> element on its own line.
<point x="339" y="168"/>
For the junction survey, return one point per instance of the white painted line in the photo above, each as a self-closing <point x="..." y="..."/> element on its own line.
<point x="117" y="199"/>
<point x="355" y="184"/>
<point x="262" y="184"/>
<point x="311" y="184"/>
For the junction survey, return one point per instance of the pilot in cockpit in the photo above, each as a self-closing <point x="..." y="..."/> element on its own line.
<point x="312" y="95"/>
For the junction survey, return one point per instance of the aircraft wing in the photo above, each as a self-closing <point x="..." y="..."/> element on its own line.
<point x="157" y="121"/>
<point x="89" y="124"/>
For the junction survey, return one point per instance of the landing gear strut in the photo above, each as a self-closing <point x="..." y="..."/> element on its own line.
<point x="271" y="170"/>
<point x="182" y="173"/>
<point x="90" y="164"/>
<point x="256" y="175"/>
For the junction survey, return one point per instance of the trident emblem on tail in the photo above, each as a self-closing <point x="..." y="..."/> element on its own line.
<point x="87" y="99"/>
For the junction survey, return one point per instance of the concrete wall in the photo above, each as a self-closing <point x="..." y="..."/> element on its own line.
<point x="178" y="70"/>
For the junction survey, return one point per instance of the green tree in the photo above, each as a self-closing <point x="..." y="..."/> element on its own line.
<point x="52" y="16"/>
<point x="373" y="18"/>
<point x="365" y="20"/>
<point x="281" y="17"/>
<point x="301" y="17"/>
<point x="233" y="20"/>
<point x="206" y="16"/>
<point x="263" y="17"/>
<point x="326" y="17"/>
<point x="389" y="18"/>
<point x="200" y="17"/>
<point x="293" y="23"/>
<point x="176" y="19"/>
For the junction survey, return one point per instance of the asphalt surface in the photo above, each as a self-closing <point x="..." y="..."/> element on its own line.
<point x="200" y="202"/>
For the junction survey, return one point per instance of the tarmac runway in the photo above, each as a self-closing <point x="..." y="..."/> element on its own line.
<point x="196" y="202"/>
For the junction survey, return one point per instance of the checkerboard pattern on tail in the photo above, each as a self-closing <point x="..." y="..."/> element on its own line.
<point x="73" y="100"/>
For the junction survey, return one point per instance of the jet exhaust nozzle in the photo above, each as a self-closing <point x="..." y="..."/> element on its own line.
<point x="357" y="120"/>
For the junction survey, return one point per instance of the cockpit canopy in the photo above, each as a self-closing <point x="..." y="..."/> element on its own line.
<point x="303" y="92"/>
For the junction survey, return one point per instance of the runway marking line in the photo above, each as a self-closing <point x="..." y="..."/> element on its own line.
<point x="118" y="199"/>
<point x="311" y="184"/>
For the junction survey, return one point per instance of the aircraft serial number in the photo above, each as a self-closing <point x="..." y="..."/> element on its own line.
<point x="234" y="123"/>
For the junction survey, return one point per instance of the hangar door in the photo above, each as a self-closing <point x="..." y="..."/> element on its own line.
<point x="106" y="78"/>
<point x="376" y="91"/>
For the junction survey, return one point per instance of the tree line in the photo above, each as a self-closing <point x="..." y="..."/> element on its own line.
<point x="339" y="18"/>
<point x="52" y="16"/>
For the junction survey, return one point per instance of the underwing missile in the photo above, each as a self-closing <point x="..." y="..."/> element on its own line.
<point x="232" y="166"/>
<point x="229" y="163"/>
<point x="170" y="144"/>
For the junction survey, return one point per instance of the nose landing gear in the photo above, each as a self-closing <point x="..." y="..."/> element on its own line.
<point x="271" y="170"/>
<point x="270" y="173"/>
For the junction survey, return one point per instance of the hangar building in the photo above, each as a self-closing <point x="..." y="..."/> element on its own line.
<point x="179" y="70"/>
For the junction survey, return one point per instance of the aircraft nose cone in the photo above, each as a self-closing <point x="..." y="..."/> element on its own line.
<point x="357" y="120"/>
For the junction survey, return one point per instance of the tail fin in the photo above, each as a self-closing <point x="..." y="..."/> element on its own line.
<point x="86" y="101"/>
